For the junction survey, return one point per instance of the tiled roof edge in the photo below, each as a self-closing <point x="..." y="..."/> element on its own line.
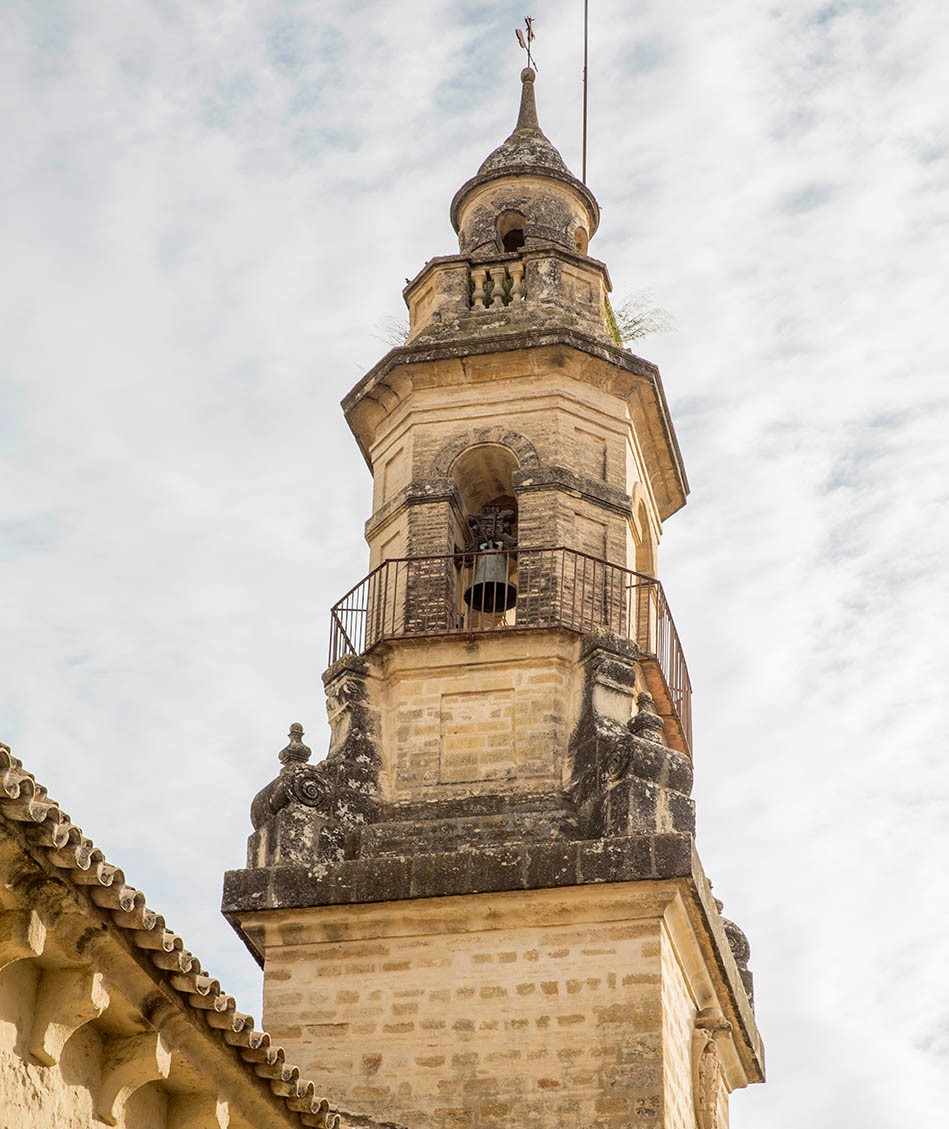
<point x="79" y="860"/>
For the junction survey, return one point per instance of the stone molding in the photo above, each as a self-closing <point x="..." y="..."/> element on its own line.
<point x="708" y="1082"/>
<point x="311" y="810"/>
<point x="516" y="866"/>
<point x="418" y="492"/>
<point x="552" y="477"/>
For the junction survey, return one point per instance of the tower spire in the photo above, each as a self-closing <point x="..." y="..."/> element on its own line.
<point x="527" y="116"/>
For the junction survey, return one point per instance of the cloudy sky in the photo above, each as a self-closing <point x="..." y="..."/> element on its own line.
<point x="208" y="211"/>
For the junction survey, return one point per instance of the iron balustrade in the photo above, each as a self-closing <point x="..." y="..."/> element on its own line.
<point x="468" y="593"/>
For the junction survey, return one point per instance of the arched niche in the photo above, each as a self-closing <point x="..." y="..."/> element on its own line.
<point x="644" y="542"/>
<point x="483" y="475"/>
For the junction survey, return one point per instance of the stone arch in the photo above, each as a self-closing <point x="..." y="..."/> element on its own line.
<point x="481" y="464"/>
<point x="483" y="475"/>
<point x="636" y="498"/>
<point x="523" y="449"/>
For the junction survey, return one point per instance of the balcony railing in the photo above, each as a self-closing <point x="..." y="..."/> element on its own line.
<point x="518" y="590"/>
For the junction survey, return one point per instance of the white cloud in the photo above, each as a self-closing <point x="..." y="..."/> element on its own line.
<point x="211" y="208"/>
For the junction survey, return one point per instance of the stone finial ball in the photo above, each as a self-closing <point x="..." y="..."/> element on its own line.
<point x="528" y="74"/>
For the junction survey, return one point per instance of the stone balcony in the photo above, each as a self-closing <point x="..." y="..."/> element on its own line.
<point x="542" y="287"/>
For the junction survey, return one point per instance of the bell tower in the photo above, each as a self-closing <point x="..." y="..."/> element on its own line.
<point x="485" y="907"/>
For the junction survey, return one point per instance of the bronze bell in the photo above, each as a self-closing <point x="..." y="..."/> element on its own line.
<point x="491" y="591"/>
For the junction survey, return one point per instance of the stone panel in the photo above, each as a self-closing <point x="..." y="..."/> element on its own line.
<point x="477" y="736"/>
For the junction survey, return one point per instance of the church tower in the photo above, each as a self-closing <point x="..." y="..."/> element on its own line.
<point x="484" y="908"/>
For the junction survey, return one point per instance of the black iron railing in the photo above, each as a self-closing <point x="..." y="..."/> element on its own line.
<point x="514" y="590"/>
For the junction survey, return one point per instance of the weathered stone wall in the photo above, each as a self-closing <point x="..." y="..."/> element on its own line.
<point x="75" y="1073"/>
<point x="61" y="1096"/>
<point x="552" y="210"/>
<point x="543" y="1008"/>
<point x="529" y="1025"/>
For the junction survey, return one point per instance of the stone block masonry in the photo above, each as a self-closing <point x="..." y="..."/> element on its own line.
<point x="539" y="1008"/>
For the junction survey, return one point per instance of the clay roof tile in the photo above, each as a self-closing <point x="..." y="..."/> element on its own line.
<point x="79" y="861"/>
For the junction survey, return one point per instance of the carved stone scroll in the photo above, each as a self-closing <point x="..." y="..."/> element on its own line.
<point x="708" y="1081"/>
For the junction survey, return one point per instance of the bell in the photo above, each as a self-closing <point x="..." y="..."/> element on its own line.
<point x="490" y="590"/>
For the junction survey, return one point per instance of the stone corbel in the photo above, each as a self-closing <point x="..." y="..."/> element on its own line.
<point x="22" y="935"/>
<point x="198" y="1111"/>
<point x="66" y="999"/>
<point x="128" y="1063"/>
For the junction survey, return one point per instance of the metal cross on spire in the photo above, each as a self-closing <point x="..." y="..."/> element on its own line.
<point x="526" y="38"/>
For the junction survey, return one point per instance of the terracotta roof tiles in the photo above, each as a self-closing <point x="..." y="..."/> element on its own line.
<point x="52" y="833"/>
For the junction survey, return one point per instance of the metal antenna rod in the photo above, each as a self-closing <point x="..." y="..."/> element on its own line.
<point x="586" y="44"/>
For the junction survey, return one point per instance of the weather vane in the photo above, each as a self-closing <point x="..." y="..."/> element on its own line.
<point x="526" y="38"/>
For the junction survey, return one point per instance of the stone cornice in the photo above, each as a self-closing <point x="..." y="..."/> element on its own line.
<point x="375" y="385"/>
<point x="662" y="871"/>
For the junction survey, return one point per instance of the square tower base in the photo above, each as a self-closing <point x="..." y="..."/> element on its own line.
<point x="604" y="1005"/>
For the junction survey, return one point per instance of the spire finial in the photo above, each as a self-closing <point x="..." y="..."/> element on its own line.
<point x="527" y="115"/>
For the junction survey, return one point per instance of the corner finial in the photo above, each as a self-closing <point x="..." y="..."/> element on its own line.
<point x="295" y="752"/>
<point x="646" y="723"/>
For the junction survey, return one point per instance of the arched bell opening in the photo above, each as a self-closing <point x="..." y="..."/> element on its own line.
<point x="511" y="231"/>
<point x="581" y="240"/>
<point x="487" y="541"/>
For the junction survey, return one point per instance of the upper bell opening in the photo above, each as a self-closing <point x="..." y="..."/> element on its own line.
<point x="511" y="231"/>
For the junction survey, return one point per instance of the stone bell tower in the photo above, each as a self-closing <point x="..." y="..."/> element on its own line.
<point x="485" y="907"/>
